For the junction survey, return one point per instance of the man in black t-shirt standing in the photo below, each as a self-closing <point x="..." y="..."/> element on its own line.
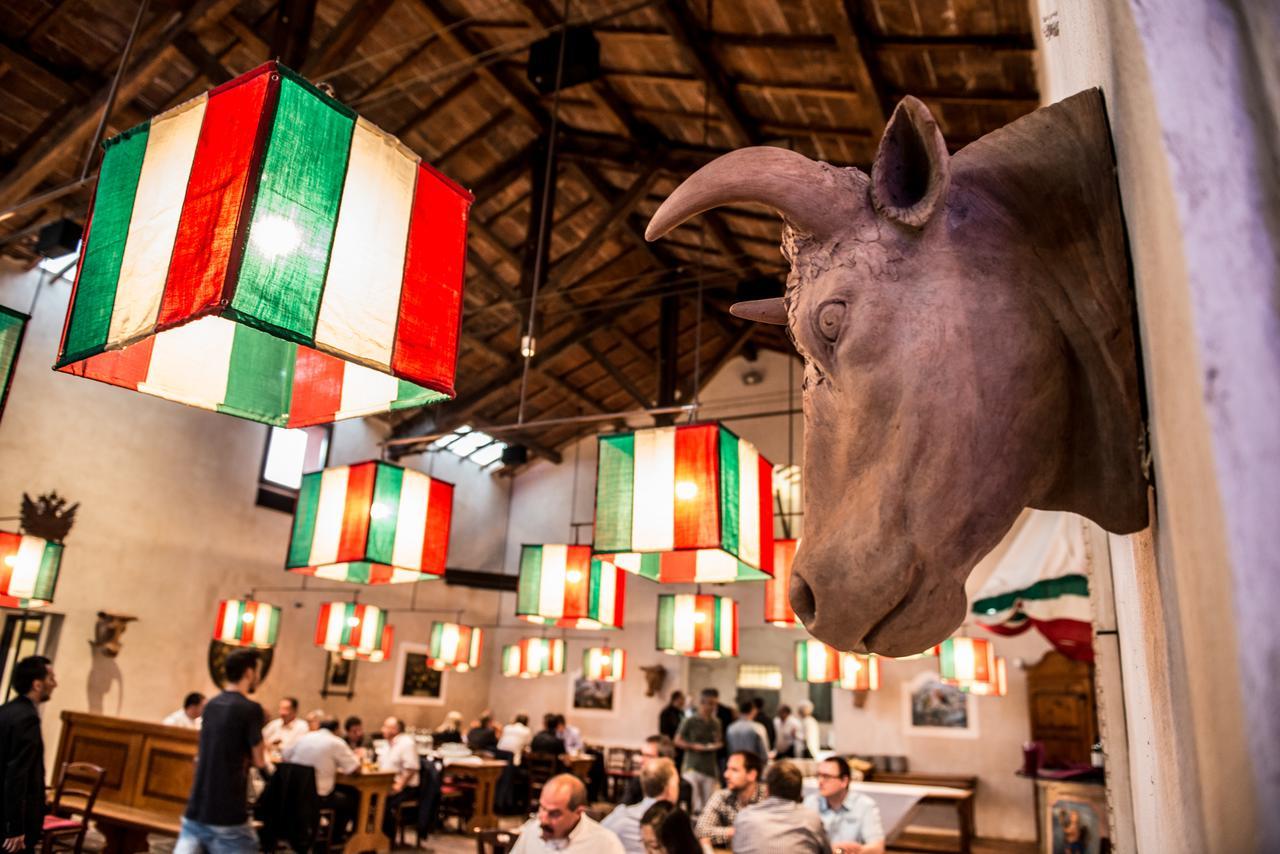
<point x="217" y="816"/>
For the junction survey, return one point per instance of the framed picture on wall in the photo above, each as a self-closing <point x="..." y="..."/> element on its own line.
<point x="934" y="708"/>
<point x="1075" y="815"/>
<point x="592" y="695"/>
<point x="416" y="683"/>
<point x="339" y="676"/>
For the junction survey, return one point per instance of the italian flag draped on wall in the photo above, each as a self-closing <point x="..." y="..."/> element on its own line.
<point x="685" y="504"/>
<point x="697" y="625"/>
<point x="263" y="251"/>
<point x="350" y="625"/>
<point x="371" y="523"/>
<point x="1042" y="581"/>
<point x="242" y="622"/>
<point x="28" y="570"/>
<point x="563" y="585"/>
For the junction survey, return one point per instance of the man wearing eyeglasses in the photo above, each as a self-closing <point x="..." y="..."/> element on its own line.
<point x="852" y="819"/>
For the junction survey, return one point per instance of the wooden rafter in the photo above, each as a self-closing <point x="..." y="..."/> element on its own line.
<point x="346" y="35"/>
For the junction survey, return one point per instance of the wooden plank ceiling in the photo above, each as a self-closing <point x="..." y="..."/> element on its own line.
<point x="448" y="77"/>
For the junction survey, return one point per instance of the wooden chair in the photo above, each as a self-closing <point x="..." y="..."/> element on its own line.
<point x="540" y="767"/>
<point x="495" y="841"/>
<point x="61" y="832"/>
<point x="620" y="765"/>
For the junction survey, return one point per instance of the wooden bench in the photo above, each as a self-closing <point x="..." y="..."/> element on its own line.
<point x="148" y="769"/>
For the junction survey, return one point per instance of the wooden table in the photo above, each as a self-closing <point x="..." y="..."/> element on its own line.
<point x="486" y="773"/>
<point x="373" y="787"/>
<point x="899" y="802"/>
<point x="579" y="764"/>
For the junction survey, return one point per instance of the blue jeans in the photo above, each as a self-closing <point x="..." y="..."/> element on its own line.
<point x="216" y="838"/>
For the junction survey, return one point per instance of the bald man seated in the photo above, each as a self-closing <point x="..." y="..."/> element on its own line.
<point x="562" y="823"/>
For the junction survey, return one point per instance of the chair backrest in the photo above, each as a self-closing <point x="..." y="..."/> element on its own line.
<point x="617" y="759"/>
<point x="79" y="779"/>
<point x="495" y="841"/>
<point x="540" y="767"/>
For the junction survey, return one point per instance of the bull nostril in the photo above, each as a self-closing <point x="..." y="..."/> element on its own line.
<point x="802" y="600"/>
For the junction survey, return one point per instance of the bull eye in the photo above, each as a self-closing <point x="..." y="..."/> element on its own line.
<point x="830" y="321"/>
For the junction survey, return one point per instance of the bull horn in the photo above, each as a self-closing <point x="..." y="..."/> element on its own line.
<point x="761" y="311"/>
<point x="806" y="193"/>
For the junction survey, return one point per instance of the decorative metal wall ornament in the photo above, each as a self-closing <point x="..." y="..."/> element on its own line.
<point x="697" y="625"/>
<point x="925" y="440"/>
<point x="244" y="622"/>
<point x="532" y="657"/>
<point x="350" y="626"/>
<point x="563" y="585"/>
<point x="604" y="664"/>
<point x="777" y="601"/>
<point x="455" y="647"/>
<point x="371" y="523"/>
<point x="262" y="251"/>
<point x="692" y="503"/>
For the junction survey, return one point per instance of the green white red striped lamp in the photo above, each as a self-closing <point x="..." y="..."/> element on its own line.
<point x="997" y="687"/>
<point x="531" y="657"/>
<point x="685" y="504"/>
<point x="262" y="251"/>
<point x="777" y="597"/>
<point x="563" y="585"/>
<point x="859" y="672"/>
<point x="243" y="622"/>
<point x="604" y="664"/>
<point x="28" y="570"/>
<point x="344" y="626"/>
<point x="371" y="523"/>
<point x="698" y="625"/>
<point x="454" y="647"/>
<point x="816" y="662"/>
<point x="964" y="661"/>
<point x="13" y="325"/>
<point x="382" y="653"/>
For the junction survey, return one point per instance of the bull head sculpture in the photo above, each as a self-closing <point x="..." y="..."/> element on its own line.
<point x="654" y="676"/>
<point x="966" y="327"/>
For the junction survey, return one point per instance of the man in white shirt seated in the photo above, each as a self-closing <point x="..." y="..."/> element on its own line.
<point x="659" y="782"/>
<point x="280" y="734"/>
<point x="562" y="823"/>
<point x="188" y="717"/>
<point x="572" y="737"/>
<point x="400" y="757"/>
<point x="516" y="736"/>
<point x="329" y="755"/>
<point x="852" y="819"/>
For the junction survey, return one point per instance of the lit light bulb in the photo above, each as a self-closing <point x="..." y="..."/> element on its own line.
<point x="353" y="621"/>
<point x="274" y="236"/>
<point x="699" y="617"/>
<point x="686" y="490"/>
<point x="528" y="346"/>
<point x="247" y="618"/>
<point x="10" y="560"/>
<point x="573" y="576"/>
<point x="379" y="511"/>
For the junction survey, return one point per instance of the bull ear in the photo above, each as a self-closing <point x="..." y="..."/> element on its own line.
<point x="912" y="168"/>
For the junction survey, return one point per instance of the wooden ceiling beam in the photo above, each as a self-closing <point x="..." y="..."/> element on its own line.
<point x="79" y="121"/>
<point x="460" y="87"/>
<point x="345" y="37"/>
<point x="732" y="347"/>
<point x="563" y="270"/>
<point x="623" y="381"/>
<point x="500" y="177"/>
<point x="291" y="38"/>
<point x="854" y="43"/>
<point x="208" y="65"/>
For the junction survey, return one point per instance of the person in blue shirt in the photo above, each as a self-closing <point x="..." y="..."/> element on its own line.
<point x="851" y="819"/>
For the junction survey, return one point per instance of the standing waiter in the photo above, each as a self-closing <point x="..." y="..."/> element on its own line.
<point x="22" y="755"/>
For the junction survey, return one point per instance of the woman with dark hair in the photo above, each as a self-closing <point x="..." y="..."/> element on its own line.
<point x="668" y="830"/>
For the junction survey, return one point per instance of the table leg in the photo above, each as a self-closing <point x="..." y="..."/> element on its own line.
<point x="483" y="816"/>
<point x="368" y="835"/>
<point x="964" y="812"/>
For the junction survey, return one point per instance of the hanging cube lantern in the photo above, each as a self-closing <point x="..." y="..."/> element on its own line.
<point x="530" y="657"/>
<point x="243" y="622"/>
<point x="263" y="251"/>
<point x="565" y="586"/>
<point x="350" y="626"/>
<point x="454" y="647"/>
<point x="816" y="662"/>
<point x="28" y="570"/>
<point x="997" y="687"/>
<point x="685" y="504"/>
<point x="13" y="325"/>
<point x="697" y="625"/>
<point x="777" y="600"/>
<point x="371" y="523"/>
<point x="382" y="653"/>
<point x="963" y="661"/>
<point x="604" y="664"/>
<point x="859" y="672"/>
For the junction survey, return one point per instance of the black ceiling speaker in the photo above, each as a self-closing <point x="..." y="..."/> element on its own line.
<point x="760" y="287"/>
<point x="581" y="60"/>
<point x="58" y="238"/>
<point x="515" y="455"/>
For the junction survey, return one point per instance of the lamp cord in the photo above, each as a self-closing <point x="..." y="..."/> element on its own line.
<point x="702" y="241"/>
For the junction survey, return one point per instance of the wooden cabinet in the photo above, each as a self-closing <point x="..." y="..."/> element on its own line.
<point x="1064" y="716"/>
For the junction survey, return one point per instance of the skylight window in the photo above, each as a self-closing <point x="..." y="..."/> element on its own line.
<point x="64" y="264"/>
<point x="474" y="445"/>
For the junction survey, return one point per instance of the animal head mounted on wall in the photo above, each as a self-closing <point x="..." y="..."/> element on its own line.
<point x="965" y="323"/>
<point x="654" y="676"/>
<point x="107" y="633"/>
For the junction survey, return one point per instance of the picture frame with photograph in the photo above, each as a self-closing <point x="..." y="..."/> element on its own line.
<point x="339" y="676"/>
<point x="416" y="683"/>
<point x="592" y="696"/>
<point x="1073" y="817"/>
<point x="933" y="708"/>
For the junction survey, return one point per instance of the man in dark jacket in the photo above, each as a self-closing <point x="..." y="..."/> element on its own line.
<point x="22" y="756"/>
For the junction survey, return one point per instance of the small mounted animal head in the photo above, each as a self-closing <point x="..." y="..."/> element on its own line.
<point x="966" y="328"/>
<point x="654" y="676"/>
<point x="107" y="632"/>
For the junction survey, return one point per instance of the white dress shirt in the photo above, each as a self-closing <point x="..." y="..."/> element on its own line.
<point x="572" y="739"/>
<point x="515" y="738"/>
<point x="588" y="837"/>
<point x="286" y="734"/>
<point x="180" y="719"/>
<point x="326" y="753"/>
<point x="812" y="735"/>
<point x="625" y="822"/>
<point x="401" y="755"/>
<point x="788" y="732"/>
